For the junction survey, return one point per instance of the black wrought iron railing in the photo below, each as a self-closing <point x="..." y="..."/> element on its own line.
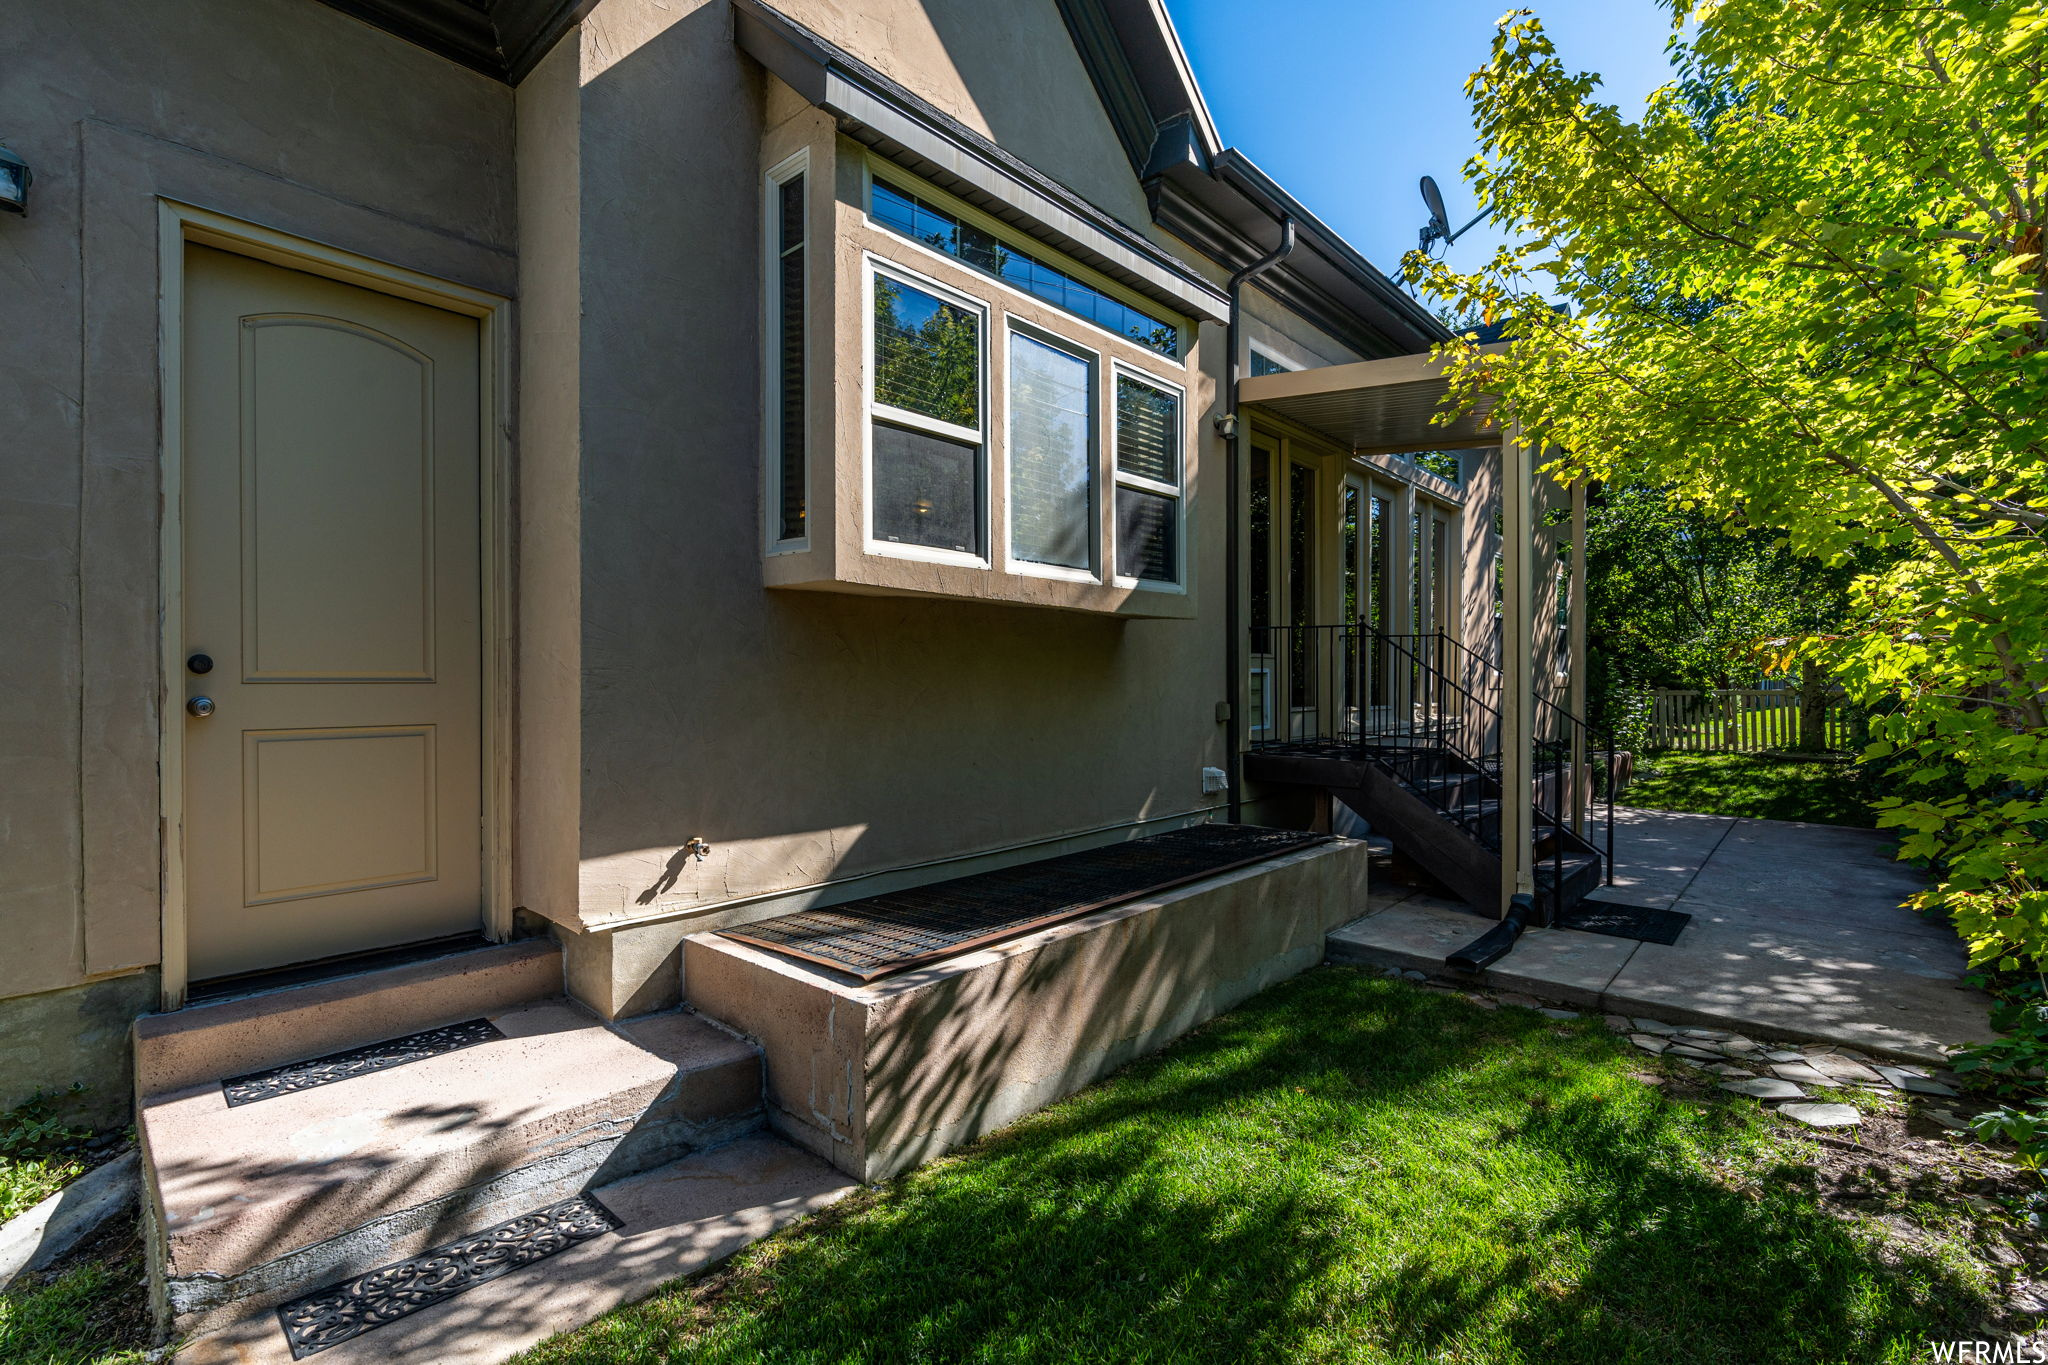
<point x="1428" y="709"/>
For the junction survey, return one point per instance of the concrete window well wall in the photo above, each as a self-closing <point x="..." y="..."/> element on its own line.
<point x="956" y="409"/>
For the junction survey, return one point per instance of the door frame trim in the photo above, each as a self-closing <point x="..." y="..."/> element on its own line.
<point x="180" y="225"/>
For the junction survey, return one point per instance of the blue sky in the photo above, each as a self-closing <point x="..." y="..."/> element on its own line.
<point x="1348" y="103"/>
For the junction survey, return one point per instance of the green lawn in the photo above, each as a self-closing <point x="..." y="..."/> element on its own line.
<point x="1346" y="1169"/>
<point x="1827" y="791"/>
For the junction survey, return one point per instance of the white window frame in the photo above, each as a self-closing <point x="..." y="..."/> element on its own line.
<point x="874" y="267"/>
<point x="1014" y="326"/>
<point x="1178" y="490"/>
<point x="771" y="369"/>
<point x="1253" y="348"/>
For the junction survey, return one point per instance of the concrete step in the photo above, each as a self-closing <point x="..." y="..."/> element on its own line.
<point x="249" y="1033"/>
<point x="675" y="1220"/>
<point x="252" y="1204"/>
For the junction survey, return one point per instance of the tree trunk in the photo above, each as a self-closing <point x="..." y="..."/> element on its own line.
<point x="1813" y="710"/>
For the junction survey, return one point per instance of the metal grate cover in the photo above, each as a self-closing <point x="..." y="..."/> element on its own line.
<point x="357" y="1061"/>
<point x="342" y="1312"/>
<point x="888" y="933"/>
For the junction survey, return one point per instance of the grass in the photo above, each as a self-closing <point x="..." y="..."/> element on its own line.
<point x="89" y="1310"/>
<point x="1345" y="1169"/>
<point x="1825" y="791"/>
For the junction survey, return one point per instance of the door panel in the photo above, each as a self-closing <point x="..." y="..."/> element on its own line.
<point x="333" y="798"/>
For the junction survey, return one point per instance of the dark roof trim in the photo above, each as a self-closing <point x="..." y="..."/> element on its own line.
<point x="504" y="39"/>
<point x="1214" y="198"/>
<point x="875" y="110"/>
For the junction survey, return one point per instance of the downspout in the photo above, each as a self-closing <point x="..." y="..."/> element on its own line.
<point x="1227" y="426"/>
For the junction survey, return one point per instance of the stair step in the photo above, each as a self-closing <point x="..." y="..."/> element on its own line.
<point x="673" y="1221"/>
<point x="255" y="1203"/>
<point x="233" y="1037"/>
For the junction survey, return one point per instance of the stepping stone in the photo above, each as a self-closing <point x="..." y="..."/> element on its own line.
<point x="1662" y="1030"/>
<point x="1712" y="1035"/>
<point x="1685" y="1049"/>
<point x="1730" y="1070"/>
<point x="1562" y="1014"/>
<point x="1822" y="1115"/>
<point x="1779" y="1054"/>
<point x="1765" y="1088"/>
<point x="1948" y="1120"/>
<point x="1839" y="1068"/>
<point x="1695" y="1064"/>
<point x="1416" y="976"/>
<point x="1919" y="1085"/>
<point x="1801" y="1072"/>
<point x="1740" y="1047"/>
<point x="1618" y="1023"/>
<point x="1647" y="1043"/>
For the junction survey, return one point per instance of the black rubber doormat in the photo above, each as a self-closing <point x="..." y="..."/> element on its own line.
<point x="888" y="933"/>
<point x="1643" y="923"/>
<point x="342" y="1312"/>
<point x="293" y="1077"/>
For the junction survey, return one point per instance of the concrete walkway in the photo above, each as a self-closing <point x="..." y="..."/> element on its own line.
<point x="1797" y="932"/>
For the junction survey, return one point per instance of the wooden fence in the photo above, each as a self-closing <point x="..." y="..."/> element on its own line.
<point x="1744" y="720"/>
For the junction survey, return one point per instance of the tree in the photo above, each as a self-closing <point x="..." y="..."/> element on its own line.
<point x="1676" y="599"/>
<point x="1806" y="294"/>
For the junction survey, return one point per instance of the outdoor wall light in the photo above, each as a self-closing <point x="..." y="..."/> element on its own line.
<point x="14" y="178"/>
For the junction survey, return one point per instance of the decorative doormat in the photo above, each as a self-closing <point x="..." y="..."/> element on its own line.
<point x="1643" y="923"/>
<point x="357" y="1061"/>
<point x="888" y="933"/>
<point x="342" y="1312"/>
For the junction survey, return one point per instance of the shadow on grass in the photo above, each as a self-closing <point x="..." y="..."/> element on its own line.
<point x="1346" y="1168"/>
<point x="1827" y="790"/>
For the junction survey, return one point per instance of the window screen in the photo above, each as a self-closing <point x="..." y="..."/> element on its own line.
<point x="927" y="489"/>
<point x="1051" y="462"/>
<point x="1147" y="536"/>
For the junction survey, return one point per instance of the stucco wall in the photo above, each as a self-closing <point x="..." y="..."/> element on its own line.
<point x="279" y="112"/>
<point x="810" y="736"/>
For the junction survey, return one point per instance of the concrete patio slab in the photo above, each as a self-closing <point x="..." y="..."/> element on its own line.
<point x="1797" y="932"/>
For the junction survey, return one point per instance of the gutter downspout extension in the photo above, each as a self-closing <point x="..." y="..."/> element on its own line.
<point x="1233" y="435"/>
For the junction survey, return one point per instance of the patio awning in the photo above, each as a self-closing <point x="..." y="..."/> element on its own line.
<point x="1374" y="406"/>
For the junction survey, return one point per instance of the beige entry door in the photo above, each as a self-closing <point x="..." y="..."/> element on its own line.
<point x="332" y="793"/>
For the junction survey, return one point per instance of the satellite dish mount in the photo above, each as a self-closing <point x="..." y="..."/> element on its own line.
<point x="1438" y="228"/>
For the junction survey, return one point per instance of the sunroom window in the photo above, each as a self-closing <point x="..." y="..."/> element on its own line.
<point x="1148" y="482"/>
<point x="925" y="368"/>
<point x="1051" y="455"/>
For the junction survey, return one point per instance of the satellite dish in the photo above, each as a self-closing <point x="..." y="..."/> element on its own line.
<point x="1438" y="228"/>
<point x="1433" y="200"/>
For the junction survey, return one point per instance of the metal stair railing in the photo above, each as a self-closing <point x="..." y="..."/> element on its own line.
<point x="1413" y="704"/>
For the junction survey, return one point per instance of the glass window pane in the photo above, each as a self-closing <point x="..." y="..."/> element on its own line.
<point x="1147" y="536"/>
<point x="927" y="354"/>
<point x="1147" y="431"/>
<point x="1052" y="502"/>
<point x="914" y="218"/>
<point x="927" y="490"/>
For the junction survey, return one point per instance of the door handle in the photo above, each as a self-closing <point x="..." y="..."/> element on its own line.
<point x="202" y="707"/>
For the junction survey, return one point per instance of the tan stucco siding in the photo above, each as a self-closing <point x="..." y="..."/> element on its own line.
<point x="277" y="111"/>
<point x="808" y="736"/>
